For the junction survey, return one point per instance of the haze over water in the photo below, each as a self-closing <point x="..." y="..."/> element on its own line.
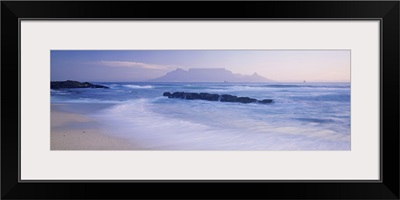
<point x="143" y="65"/>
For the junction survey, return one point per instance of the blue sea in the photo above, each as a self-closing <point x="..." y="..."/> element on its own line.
<point x="304" y="116"/>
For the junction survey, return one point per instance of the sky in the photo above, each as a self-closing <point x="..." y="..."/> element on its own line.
<point x="142" y="65"/>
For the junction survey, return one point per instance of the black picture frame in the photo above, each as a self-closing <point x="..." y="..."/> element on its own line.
<point x="386" y="11"/>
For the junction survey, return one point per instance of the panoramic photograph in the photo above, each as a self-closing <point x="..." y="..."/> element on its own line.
<point x="230" y="100"/>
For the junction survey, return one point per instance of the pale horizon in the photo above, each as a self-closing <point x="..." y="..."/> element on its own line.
<point x="144" y="65"/>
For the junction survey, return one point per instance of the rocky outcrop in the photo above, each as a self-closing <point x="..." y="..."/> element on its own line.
<point x="215" y="97"/>
<point x="265" y="101"/>
<point x="73" y="84"/>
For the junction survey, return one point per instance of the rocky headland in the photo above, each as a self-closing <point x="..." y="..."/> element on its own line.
<point x="73" y="84"/>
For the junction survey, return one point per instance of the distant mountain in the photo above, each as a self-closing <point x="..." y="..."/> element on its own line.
<point x="208" y="75"/>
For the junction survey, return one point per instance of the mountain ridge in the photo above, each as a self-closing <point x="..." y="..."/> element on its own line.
<point x="208" y="75"/>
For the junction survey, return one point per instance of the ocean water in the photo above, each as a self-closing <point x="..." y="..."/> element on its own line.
<point x="304" y="116"/>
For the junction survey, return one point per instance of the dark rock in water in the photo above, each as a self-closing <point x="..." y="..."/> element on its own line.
<point x="231" y="98"/>
<point x="73" y="84"/>
<point x="228" y="98"/>
<point x="265" y="101"/>
<point x="191" y="96"/>
<point x="214" y="97"/>
<point x="246" y="100"/>
<point x="209" y="97"/>
<point x="167" y="94"/>
<point x="179" y="95"/>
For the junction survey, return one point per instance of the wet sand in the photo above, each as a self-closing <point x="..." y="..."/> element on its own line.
<point x="71" y="129"/>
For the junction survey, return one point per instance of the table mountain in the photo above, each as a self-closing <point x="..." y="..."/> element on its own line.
<point x="208" y="75"/>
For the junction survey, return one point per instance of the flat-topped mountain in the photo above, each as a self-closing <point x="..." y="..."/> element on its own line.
<point x="208" y="75"/>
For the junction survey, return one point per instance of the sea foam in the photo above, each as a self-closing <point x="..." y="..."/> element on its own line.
<point x="189" y="127"/>
<point x="303" y="117"/>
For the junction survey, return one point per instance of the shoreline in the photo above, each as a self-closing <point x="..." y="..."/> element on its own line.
<point x="72" y="129"/>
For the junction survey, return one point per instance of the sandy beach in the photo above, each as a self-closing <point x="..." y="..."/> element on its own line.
<point x="76" y="131"/>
